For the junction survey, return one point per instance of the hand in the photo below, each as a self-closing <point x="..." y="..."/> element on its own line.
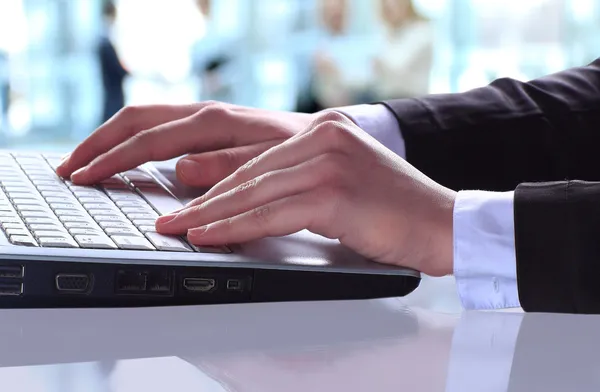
<point x="223" y="137"/>
<point x="334" y="180"/>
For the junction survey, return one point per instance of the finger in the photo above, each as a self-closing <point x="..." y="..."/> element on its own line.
<point x="119" y="128"/>
<point x="211" y="128"/>
<point x="254" y="193"/>
<point x="325" y="137"/>
<point x="207" y="169"/>
<point x="279" y="218"/>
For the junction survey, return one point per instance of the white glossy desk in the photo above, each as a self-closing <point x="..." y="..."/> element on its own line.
<point x="419" y="343"/>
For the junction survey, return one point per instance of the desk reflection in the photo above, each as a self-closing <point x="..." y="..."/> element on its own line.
<point x="377" y="345"/>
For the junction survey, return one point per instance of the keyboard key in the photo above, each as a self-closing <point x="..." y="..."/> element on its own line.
<point x="43" y="221"/>
<point x="79" y="231"/>
<point x="95" y="199"/>
<point x="119" y="231"/>
<point x="144" y="222"/>
<point x="111" y="218"/>
<point x="167" y="243"/>
<point x="38" y="201"/>
<point x="95" y="242"/>
<point x="81" y="225"/>
<point x="132" y="243"/>
<point x="20" y="231"/>
<point x="75" y="218"/>
<point x="23" y="240"/>
<point x="36" y="214"/>
<point x="131" y="203"/>
<point x="8" y="214"/>
<point x="58" y="242"/>
<point x="50" y="233"/>
<point x="8" y="226"/>
<point x="95" y="206"/>
<point x="90" y="193"/>
<point x="4" y="221"/>
<point x="125" y="197"/>
<point x="147" y="229"/>
<point x="45" y="227"/>
<point x="122" y="225"/>
<point x="65" y="199"/>
<point x="48" y="194"/>
<point x="31" y="196"/>
<point x="146" y="216"/>
<point x="104" y="212"/>
<point x="161" y="200"/>
<point x="66" y="206"/>
<point x="138" y="210"/>
<point x="71" y="212"/>
<point x="29" y="207"/>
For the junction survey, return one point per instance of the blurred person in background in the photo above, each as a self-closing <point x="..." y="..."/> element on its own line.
<point x="213" y="58"/>
<point x="403" y="66"/>
<point x="113" y="71"/>
<point x="340" y="68"/>
<point x="4" y="89"/>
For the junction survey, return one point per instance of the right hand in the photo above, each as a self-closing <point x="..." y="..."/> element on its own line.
<point x="220" y="137"/>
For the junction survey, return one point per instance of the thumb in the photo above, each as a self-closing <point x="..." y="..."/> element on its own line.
<point x="207" y="169"/>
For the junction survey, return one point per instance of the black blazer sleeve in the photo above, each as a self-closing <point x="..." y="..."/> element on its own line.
<point x="508" y="132"/>
<point x="542" y="138"/>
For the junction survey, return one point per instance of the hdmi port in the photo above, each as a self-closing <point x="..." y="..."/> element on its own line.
<point x="201" y="285"/>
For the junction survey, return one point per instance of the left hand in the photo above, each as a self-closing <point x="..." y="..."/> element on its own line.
<point x="336" y="181"/>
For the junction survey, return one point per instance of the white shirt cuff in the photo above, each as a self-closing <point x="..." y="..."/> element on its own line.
<point x="485" y="265"/>
<point x="379" y="122"/>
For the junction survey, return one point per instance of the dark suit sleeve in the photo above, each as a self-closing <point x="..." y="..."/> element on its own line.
<point x="557" y="239"/>
<point x="542" y="138"/>
<point x="508" y="132"/>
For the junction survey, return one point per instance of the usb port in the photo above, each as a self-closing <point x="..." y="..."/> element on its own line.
<point x="12" y="271"/>
<point x="11" y="289"/>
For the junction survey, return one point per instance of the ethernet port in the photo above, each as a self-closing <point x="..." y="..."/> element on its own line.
<point x="131" y="282"/>
<point x="160" y="282"/>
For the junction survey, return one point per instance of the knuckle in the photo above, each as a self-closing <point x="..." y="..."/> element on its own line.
<point x="130" y="111"/>
<point x="333" y="134"/>
<point x="262" y="214"/>
<point x="246" y="187"/>
<point x="246" y="167"/>
<point x="229" y="160"/>
<point x="331" y="116"/>
<point x="143" y="137"/>
<point x="214" y="110"/>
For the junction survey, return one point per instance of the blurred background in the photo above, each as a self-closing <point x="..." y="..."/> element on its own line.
<point x="67" y="65"/>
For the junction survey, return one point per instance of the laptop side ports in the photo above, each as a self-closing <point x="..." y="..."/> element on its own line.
<point x="73" y="283"/>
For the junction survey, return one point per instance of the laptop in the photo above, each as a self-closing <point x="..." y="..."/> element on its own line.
<point x="65" y="245"/>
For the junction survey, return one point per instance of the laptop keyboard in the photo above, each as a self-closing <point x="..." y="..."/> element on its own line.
<point x="40" y="209"/>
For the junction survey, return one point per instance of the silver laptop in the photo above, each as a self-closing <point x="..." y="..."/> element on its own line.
<point x="64" y="245"/>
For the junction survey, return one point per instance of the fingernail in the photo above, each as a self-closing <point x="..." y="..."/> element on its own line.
<point x="78" y="173"/>
<point x="197" y="232"/>
<point x="189" y="168"/>
<point x="165" y="219"/>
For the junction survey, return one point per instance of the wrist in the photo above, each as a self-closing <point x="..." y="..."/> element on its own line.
<point x="442" y="262"/>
